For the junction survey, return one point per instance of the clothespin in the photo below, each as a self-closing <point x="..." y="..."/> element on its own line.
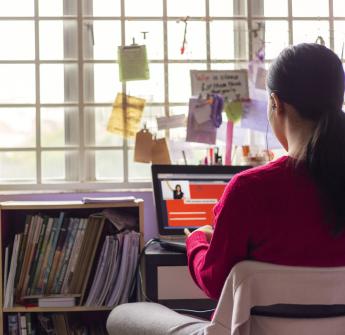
<point x="144" y="34"/>
<point x="320" y="40"/>
<point x="133" y="41"/>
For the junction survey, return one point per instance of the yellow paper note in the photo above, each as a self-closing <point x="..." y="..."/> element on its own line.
<point x="126" y="115"/>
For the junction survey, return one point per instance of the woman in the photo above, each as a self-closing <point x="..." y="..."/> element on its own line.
<point x="291" y="211"/>
<point x="177" y="192"/>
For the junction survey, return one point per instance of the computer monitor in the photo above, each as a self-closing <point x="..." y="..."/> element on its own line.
<point x="186" y="194"/>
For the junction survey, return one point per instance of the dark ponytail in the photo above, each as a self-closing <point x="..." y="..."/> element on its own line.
<point x="310" y="77"/>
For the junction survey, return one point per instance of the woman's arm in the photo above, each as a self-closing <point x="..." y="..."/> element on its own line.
<point x="210" y="262"/>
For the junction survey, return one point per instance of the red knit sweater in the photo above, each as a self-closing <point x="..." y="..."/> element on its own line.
<point x="271" y="214"/>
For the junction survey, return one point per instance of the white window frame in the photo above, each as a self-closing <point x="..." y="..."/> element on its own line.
<point x="86" y="169"/>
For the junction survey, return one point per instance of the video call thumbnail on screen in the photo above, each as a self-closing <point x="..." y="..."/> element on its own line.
<point x="189" y="203"/>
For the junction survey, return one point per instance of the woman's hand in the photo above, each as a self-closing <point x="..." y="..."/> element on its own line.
<point x="208" y="230"/>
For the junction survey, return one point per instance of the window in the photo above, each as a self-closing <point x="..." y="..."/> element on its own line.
<point x="59" y="75"/>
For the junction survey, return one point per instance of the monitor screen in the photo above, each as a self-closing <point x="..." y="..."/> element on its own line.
<point x="185" y="195"/>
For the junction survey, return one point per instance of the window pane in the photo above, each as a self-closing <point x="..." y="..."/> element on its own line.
<point x="104" y="85"/>
<point x="144" y="8"/>
<point x="154" y="37"/>
<point x="224" y="66"/>
<point x="308" y="31"/>
<point x="53" y="166"/>
<point x="271" y="8"/>
<point x="59" y="127"/>
<point x="52" y="43"/>
<point x="138" y="171"/>
<point x="179" y="81"/>
<point x="186" y="8"/>
<point x="153" y="89"/>
<point x="101" y="7"/>
<point x="23" y="33"/>
<point x="195" y="47"/>
<point x="17" y="7"/>
<point x="178" y="133"/>
<point x="226" y="48"/>
<point x="57" y="7"/>
<point x="59" y="83"/>
<point x="339" y="37"/>
<point x="96" y="133"/>
<point x="17" y="127"/>
<point x="276" y="38"/>
<point x="338" y="8"/>
<point x="109" y="165"/>
<point x="227" y="8"/>
<point x="17" y="83"/>
<point x="11" y="166"/>
<point x="310" y="8"/>
<point x="107" y="37"/>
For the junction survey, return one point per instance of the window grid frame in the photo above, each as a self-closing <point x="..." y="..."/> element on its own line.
<point x="83" y="184"/>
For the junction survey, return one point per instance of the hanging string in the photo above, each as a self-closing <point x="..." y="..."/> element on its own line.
<point x="184" y="42"/>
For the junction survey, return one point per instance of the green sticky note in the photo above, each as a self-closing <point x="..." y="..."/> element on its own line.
<point x="233" y="111"/>
<point x="133" y="64"/>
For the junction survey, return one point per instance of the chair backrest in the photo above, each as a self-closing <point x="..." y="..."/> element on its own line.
<point x="271" y="292"/>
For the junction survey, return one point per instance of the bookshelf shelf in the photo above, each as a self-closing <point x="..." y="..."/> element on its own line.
<point x="21" y="309"/>
<point x="12" y="223"/>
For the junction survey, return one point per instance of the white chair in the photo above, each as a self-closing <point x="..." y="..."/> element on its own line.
<point x="257" y="299"/>
<point x="266" y="299"/>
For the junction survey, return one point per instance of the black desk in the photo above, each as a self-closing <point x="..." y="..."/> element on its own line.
<point x="156" y="257"/>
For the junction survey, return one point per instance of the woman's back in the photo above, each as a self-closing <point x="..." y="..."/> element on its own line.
<point x="288" y="225"/>
<point x="271" y="214"/>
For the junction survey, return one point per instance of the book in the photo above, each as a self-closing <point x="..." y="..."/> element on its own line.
<point x="6" y="268"/>
<point x="39" y="268"/>
<point x="66" y="256"/>
<point x="50" y="252"/>
<point x="38" y="225"/>
<point x="10" y="285"/>
<point x="37" y="254"/>
<point x="22" y="324"/>
<point x="74" y="255"/>
<point x="93" y="200"/>
<point x="24" y="261"/>
<point x="12" y="323"/>
<point x="22" y="250"/>
<point x="63" y="301"/>
<point x="64" y="232"/>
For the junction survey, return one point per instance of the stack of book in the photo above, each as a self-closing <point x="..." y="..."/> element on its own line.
<point x="52" y="257"/>
<point x="56" y="323"/>
<point x="115" y="271"/>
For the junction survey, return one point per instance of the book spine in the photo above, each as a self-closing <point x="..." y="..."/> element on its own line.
<point x="65" y="230"/>
<point x="28" y="219"/>
<point x="37" y="254"/>
<point x="67" y="256"/>
<point x="8" y="301"/>
<point x="24" y="262"/>
<point x="6" y="269"/>
<point x="51" y="252"/>
<point x="74" y="255"/>
<point x="42" y="255"/>
<point x="38" y="223"/>
<point x="29" y="323"/>
<point x="13" y="326"/>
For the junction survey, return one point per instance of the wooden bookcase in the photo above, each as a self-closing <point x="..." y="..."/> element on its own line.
<point x="12" y="218"/>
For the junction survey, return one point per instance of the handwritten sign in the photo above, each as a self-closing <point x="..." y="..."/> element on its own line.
<point x="231" y="84"/>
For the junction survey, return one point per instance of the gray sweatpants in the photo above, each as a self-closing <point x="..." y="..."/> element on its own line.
<point x="145" y="318"/>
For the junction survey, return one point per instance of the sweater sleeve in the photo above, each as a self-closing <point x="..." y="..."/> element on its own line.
<point x="210" y="263"/>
